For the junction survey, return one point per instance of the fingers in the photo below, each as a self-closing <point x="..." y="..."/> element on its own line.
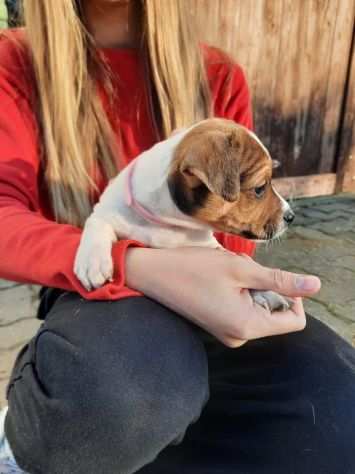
<point x="232" y="343"/>
<point x="290" y="284"/>
<point x="262" y="323"/>
<point x="283" y="322"/>
<point x="278" y="322"/>
<point x="258" y="277"/>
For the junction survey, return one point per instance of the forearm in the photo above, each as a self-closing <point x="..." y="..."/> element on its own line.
<point x="151" y="272"/>
<point x="190" y="281"/>
<point x="208" y="287"/>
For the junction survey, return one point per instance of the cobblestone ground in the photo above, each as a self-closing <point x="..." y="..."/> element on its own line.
<point x="18" y="305"/>
<point x="322" y="242"/>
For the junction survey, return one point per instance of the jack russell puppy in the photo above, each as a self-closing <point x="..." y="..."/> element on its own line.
<point x="213" y="176"/>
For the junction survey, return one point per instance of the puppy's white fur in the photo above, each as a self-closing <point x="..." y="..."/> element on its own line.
<point x="112" y="218"/>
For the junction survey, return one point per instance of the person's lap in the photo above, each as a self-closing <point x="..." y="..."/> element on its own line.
<point x="277" y="405"/>
<point x="103" y="387"/>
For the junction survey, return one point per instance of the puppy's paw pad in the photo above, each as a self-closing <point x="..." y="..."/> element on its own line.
<point x="271" y="301"/>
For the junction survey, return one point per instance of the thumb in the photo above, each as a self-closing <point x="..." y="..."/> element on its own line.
<point x="287" y="283"/>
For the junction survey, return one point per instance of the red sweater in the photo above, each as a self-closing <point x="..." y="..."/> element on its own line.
<point x="33" y="247"/>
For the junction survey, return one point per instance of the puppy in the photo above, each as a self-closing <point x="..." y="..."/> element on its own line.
<point x="213" y="176"/>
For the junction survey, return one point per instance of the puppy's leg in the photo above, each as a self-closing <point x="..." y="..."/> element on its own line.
<point x="270" y="300"/>
<point x="93" y="262"/>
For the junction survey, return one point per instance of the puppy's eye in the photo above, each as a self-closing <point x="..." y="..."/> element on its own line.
<point x="260" y="190"/>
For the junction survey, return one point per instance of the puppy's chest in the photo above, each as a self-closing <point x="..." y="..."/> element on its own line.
<point x="156" y="236"/>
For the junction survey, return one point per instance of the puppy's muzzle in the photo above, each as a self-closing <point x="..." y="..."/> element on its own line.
<point x="286" y="219"/>
<point x="289" y="216"/>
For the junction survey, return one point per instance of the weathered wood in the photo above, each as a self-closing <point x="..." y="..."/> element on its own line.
<point x="346" y="176"/>
<point x="306" y="186"/>
<point x="337" y="87"/>
<point x="346" y="158"/>
<point x="295" y="55"/>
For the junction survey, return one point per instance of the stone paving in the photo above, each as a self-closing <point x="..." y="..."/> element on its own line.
<point x="322" y="242"/>
<point x="18" y="305"/>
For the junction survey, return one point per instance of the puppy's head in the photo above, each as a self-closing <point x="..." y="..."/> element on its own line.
<point x="221" y="175"/>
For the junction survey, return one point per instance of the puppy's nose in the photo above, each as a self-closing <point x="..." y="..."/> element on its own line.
<point x="289" y="216"/>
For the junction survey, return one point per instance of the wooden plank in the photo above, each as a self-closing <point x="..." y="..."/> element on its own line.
<point x="249" y="31"/>
<point x="306" y="186"/>
<point x="346" y="176"/>
<point x="264" y="59"/>
<point x="346" y="154"/>
<point x="303" y="71"/>
<point x="285" y="119"/>
<point x="338" y="69"/>
<point x="295" y="55"/>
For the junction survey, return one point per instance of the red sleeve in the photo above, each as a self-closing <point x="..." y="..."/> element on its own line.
<point x="34" y="249"/>
<point x="231" y="100"/>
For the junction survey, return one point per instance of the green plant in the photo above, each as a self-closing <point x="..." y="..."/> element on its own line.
<point x="3" y="15"/>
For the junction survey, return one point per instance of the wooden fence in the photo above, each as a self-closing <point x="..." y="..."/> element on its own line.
<point x="298" y="56"/>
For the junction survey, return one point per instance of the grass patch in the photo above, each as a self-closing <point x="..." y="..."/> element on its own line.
<point x="3" y="15"/>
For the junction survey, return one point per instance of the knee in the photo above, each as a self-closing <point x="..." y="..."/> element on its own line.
<point x="129" y="396"/>
<point x="325" y="388"/>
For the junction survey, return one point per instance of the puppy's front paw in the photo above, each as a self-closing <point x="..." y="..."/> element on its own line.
<point x="270" y="300"/>
<point x="93" y="265"/>
<point x="93" y="261"/>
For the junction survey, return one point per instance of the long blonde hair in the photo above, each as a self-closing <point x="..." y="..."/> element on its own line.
<point x="76" y="132"/>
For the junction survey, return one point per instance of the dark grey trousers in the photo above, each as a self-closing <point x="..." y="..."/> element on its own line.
<point x="119" y="387"/>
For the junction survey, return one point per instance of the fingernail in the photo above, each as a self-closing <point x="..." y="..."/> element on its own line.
<point x="308" y="283"/>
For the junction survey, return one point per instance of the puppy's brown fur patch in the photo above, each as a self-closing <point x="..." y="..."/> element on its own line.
<point x="221" y="175"/>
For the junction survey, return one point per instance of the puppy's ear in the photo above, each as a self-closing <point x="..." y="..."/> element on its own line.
<point x="212" y="158"/>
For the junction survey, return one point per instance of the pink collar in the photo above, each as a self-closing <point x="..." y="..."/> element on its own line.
<point x="136" y="206"/>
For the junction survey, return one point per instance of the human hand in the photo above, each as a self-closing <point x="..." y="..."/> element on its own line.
<point x="210" y="288"/>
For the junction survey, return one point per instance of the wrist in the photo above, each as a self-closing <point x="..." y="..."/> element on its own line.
<point x="153" y="272"/>
<point x="138" y="265"/>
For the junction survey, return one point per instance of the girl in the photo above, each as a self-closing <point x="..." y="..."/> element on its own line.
<point x="143" y="374"/>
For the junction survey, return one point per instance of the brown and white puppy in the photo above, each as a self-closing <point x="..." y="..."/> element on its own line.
<point x="215" y="175"/>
